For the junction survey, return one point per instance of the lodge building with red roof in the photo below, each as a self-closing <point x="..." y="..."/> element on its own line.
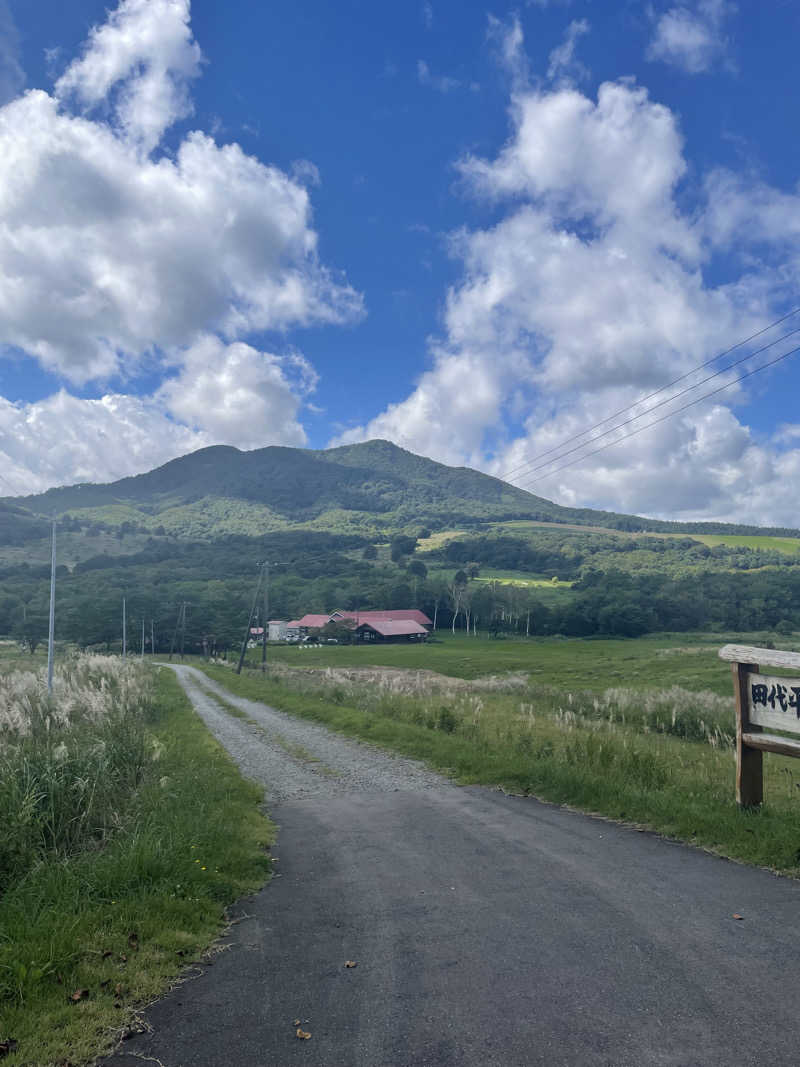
<point x="401" y="624"/>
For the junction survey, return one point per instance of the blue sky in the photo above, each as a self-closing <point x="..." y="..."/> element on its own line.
<point x="474" y="230"/>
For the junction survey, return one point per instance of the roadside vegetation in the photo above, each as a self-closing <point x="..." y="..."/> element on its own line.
<point x="126" y="832"/>
<point x="655" y="749"/>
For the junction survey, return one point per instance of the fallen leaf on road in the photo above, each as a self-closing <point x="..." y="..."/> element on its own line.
<point x="304" y="1035"/>
<point x="79" y="994"/>
<point x="297" y="1022"/>
<point x="737" y="916"/>
<point x="350" y="963"/>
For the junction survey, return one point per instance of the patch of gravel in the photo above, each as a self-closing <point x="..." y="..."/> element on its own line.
<point x="322" y="761"/>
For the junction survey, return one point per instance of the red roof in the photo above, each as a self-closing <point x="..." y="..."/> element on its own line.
<point x="394" y="628"/>
<point x="313" y="621"/>
<point x="398" y="614"/>
<point x="293" y="625"/>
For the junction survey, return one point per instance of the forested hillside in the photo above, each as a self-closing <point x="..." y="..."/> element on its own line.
<point x="372" y="487"/>
<point x="372" y="526"/>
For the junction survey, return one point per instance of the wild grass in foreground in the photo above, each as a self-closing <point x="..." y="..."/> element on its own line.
<point x="111" y="914"/>
<point x="663" y="759"/>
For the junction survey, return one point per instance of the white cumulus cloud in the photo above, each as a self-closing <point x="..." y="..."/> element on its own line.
<point x="221" y="394"/>
<point x="118" y="254"/>
<point x="563" y="64"/>
<point x="142" y="61"/>
<point x="110" y="251"/>
<point x="240" y="395"/>
<point x="691" y="37"/>
<point x="590" y="291"/>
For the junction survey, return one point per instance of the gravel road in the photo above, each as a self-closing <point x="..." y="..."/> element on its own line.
<point x="293" y="758"/>
<point x="487" y="930"/>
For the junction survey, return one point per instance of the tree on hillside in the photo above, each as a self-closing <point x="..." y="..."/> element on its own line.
<point x="417" y="569"/>
<point x="402" y="546"/>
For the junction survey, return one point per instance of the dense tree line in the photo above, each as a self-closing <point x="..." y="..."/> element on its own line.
<point x="622" y="586"/>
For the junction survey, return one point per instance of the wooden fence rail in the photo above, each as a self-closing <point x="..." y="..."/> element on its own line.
<point x="762" y="701"/>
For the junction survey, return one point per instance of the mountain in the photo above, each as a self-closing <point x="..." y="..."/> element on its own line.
<point x="372" y="489"/>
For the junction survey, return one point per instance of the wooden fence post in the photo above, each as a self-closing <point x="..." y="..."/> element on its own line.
<point x="749" y="761"/>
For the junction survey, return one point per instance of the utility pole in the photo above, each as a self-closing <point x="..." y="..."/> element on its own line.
<point x="175" y="635"/>
<point x="142" y="655"/>
<point x="250" y="621"/>
<point x="51" y="631"/>
<point x="152" y="639"/>
<point x="124" y="630"/>
<point x="183" y="627"/>
<point x="265" y="622"/>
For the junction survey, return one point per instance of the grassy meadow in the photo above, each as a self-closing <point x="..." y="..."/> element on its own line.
<point x="638" y="730"/>
<point x="591" y="664"/>
<point x="127" y="830"/>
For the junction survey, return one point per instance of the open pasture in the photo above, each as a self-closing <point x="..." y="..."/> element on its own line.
<point x="593" y="665"/>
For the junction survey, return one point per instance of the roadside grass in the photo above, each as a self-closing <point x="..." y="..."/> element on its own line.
<point x="659" y="661"/>
<point x="122" y="920"/>
<point x="567" y="747"/>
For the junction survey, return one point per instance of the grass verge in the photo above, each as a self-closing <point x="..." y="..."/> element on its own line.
<point x="681" y="788"/>
<point x="121" y="923"/>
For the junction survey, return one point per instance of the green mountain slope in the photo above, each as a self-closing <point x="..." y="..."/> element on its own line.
<point x="373" y="489"/>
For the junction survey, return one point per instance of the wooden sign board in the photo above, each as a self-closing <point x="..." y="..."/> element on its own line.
<point x="761" y="701"/>
<point x="774" y="702"/>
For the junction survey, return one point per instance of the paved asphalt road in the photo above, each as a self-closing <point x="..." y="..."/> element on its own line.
<point x="487" y="930"/>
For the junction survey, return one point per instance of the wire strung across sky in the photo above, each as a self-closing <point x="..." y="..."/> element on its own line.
<point x="661" y="403"/>
<point x="527" y="465"/>
<point x="663" y="418"/>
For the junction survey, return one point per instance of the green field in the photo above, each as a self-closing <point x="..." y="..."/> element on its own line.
<point x="688" y="660"/>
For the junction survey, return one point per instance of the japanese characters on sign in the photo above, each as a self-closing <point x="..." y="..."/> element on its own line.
<point x="774" y="702"/>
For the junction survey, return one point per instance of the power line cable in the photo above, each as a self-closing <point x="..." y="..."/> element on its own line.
<point x="650" y="396"/>
<point x="660" y="404"/>
<point x="669" y="414"/>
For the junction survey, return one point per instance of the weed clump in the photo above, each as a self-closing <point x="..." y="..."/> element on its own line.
<point x="70" y="760"/>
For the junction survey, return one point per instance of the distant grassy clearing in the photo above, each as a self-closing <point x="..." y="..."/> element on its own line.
<point x="439" y="538"/>
<point x="516" y="578"/>
<point x="788" y="545"/>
